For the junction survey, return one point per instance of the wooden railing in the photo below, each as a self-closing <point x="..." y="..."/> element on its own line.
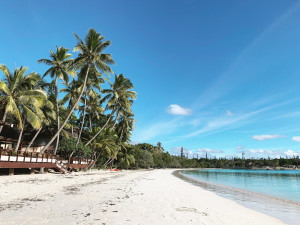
<point x="9" y="155"/>
<point x="21" y="156"/>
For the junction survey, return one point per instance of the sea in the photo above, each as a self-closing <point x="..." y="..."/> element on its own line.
<point x="273" y="192"/>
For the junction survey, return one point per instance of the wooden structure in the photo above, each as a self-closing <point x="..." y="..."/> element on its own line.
<point x="32" y="158"/>
<point x="12" y="160"/>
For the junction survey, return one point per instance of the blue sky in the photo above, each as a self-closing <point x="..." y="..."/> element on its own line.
<point x="212" y="76"/>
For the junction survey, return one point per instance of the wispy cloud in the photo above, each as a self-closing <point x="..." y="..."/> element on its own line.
<point x="229" y="113"/>
<point x="224" y="123"/>
<point x="266" y="137"/>
<point x="157" y="129"/>
<point x="218" y="89"/>
<point x="175" y="109"/>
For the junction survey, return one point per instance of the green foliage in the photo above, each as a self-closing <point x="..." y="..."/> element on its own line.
<point x="68" y="145"/>
<point x="144" y="159"/>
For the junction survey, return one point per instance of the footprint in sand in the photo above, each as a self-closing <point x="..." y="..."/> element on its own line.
<point x="186" y="209"/>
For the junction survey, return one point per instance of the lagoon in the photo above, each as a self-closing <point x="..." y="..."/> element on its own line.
<point x="274" y="192"/>
<point x="277" y="183"/>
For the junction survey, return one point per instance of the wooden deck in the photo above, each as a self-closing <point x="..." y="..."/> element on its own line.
<point x="12" y="160"/>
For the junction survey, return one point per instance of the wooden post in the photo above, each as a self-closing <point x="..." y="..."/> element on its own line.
<point x="5" y="144"/>
<point x="37" y="156"/>
<point x="17" y="155"/>
<point x="31" y="156"/>
<point x="24" y="156"/>
<point x="0" y="153"/>
<point x="11" y="171"/>
<point x="9" y="154"/>
<point x="42" y="158"/>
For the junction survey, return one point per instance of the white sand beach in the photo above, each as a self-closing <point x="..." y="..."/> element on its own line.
<point x="124" y="197"/>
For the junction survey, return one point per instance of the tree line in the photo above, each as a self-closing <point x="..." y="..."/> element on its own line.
<point x="145" y="156"/>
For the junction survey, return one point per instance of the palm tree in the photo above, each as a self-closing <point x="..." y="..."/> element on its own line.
<point x="60" y="63"/>
<point x="123" y="129"/>
<point x="90" y="55"/>
<point x="126" y="157"/>
<point x="47" y="117"/>
<point x="119" y="99"/>
<point x="72" y="91"/>
<point x="93" y="82"/>
<point x="125" y="126"/>
<point x="20" y="99"/>
<point x="105" y="144"/>
<point x="94" y="109"/>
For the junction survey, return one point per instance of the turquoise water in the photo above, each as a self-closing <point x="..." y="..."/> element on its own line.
<point x="283" y="184"/>
<point x="276" y="193"/>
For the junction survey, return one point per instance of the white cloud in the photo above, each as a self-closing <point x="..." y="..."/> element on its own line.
<point x="291" y="153"/>
<point x="177" y="151"/>
<point x="266" y="137"/>
<point x="209" y="150"/>
<point x="271" y="153"/>
<point x="255" y="151"/>
<point x="229" y="113"/>
<point x="296" y="138"/>
<point x="178" y="110"/>
<point x="240" y="147"/>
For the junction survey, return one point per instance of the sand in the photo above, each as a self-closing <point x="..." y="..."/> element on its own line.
<point x="124" y="197"/>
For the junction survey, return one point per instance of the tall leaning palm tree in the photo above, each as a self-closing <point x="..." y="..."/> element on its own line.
<point x="90" y="55"/>
<point x="119" y="98"/>
<point x="60" y="62"/>
<point x="93" y="83"/>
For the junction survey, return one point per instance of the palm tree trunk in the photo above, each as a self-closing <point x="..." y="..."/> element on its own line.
<point x="96" y="158"/>
<point x="57" y="114"/>
<point x="90" y="121"/>
<point x="20" y="136"/>
<point x="70" y="113"/>
<point x="90" y="114"/>
<point x="3" y="120"/>
<point x="83" y="117"/>
<point x="116" y="120"/>
<point x="36" y="134"/>
<point x="96" y="135"/>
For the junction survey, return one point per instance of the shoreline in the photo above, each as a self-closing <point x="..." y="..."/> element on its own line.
<point x="124" y="197"/>
<point x="283" y="209"/>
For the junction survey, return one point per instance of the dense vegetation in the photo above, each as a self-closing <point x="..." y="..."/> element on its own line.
<point x="149" y="156"/>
